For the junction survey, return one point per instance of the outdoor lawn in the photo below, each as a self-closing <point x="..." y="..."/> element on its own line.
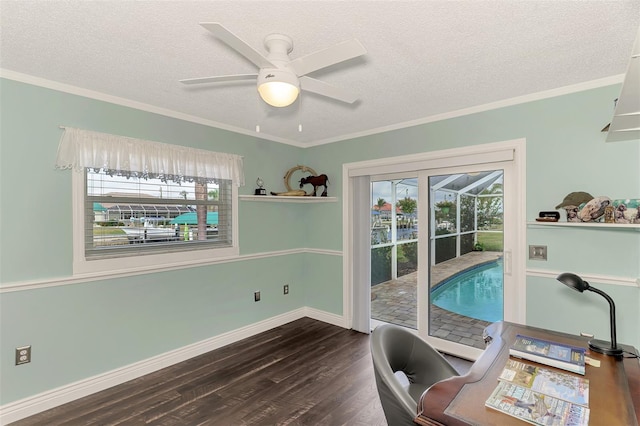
<point x="491" y="241"/>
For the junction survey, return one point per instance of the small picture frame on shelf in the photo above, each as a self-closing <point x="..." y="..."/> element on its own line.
<point x="626" y="211"/>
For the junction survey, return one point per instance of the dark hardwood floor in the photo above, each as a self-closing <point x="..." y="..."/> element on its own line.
<point x="303" y="373"/>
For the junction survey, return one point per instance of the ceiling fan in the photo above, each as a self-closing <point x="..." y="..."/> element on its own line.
<point x="279" y="78"/>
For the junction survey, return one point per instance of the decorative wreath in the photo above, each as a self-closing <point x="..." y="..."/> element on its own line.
<point x="292" y="170"/>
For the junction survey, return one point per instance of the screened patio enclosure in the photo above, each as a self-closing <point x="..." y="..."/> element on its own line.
<point x="461" y="275"/>
<point x="158" y="214"/>
<point x="466" y="212"/>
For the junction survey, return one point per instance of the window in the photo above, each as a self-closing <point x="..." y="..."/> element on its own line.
<point x="137" y="215"/>
<point x="141" y="205"/>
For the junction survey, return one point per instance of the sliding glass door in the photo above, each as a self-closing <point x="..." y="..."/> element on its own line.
<point x="465" y="279"/>
<point x="465" y="254"/>
<point x="462" y="219"/>
<point x="444" y="251"/>
<point x="394" y="249"/>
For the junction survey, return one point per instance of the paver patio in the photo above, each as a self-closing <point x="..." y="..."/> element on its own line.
<point x="395" y="302"/>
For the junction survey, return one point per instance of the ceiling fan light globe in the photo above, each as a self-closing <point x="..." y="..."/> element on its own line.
<point x="278" y="87"/>
<point x="278" y="93"/>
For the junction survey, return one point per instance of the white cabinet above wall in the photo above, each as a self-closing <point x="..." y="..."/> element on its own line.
<point x="625" y="124"/>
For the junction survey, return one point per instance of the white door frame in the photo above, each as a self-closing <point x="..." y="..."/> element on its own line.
<point x="513" y="151"/>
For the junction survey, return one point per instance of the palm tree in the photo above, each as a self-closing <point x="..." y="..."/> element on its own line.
<point x="378" y="207"/>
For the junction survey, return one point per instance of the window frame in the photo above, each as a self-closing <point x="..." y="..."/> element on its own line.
<point x="149" y="262"/>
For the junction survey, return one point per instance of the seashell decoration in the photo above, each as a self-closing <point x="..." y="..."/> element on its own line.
<point x="594" y="209"/>
<point x="580" y="208"/>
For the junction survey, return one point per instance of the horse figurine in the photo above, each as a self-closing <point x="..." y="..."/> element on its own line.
<point x="316" y="181"/>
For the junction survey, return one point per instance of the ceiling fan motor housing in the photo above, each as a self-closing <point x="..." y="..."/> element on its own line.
<point x="279" y="46"/>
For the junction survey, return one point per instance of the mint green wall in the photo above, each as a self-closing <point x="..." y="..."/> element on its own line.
<point x="566" y="152"/>
<point x="560" y="308"/>
<point x="80" y="330"/>
<point x="40" y="205"/>
<point x="154" y="313"/>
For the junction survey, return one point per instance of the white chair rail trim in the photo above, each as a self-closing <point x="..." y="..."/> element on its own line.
<point x="602" y="279"/>
<point x="80" y="279"/>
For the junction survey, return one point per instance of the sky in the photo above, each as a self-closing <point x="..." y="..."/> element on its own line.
<point x="382" y="189"/>
<point x="101" y="184"/>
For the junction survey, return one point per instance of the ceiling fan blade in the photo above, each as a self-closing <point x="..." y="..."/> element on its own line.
<point x="325" y="89"/>
<point x="238" y="44"/>
<point x="329" y="56"/>
<point x="217" y="79"/>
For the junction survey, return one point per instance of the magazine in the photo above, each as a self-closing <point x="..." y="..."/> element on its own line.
<point x="536" y="408"/>
<point x="571" y="388"/>
<point x="559" y="355"/>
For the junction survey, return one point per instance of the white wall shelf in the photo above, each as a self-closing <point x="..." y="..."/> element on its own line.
<point x="601" y="225"/>
<point x="286" y="199"/>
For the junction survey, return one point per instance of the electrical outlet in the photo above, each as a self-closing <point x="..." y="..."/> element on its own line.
<point x="23" y="355"/>
<point x="256" y="296"/>
<point x="286" y="289"/>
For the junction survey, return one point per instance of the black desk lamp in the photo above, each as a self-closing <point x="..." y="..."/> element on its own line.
<point x="601" y="346"/>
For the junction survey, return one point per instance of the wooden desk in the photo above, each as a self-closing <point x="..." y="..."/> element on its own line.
<point x="614" y="387"/>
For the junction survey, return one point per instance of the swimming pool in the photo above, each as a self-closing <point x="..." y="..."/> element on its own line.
<point x="475" y="293"/>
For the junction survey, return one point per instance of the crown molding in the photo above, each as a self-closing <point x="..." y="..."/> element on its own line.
<point x="99" y="96"/>
<point x="565" y="90"/>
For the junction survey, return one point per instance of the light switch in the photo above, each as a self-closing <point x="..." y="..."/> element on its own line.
<point x="537" y="252"/>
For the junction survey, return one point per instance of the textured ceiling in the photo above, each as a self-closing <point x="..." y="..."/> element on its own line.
<point x="424" y="58"/>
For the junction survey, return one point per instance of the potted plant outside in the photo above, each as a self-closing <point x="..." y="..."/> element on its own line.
<point x="445" y="206"/>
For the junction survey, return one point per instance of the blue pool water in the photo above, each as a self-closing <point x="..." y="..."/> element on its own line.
<point x="476" y="293"/>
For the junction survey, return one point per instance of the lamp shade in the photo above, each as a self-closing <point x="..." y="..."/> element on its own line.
<point x="573" y="281"/>
<point x="278" y="87"/>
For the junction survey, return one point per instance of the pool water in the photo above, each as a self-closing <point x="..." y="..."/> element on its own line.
<point x="475" y="293"/>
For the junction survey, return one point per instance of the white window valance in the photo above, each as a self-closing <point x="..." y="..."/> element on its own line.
<point x="80" y="149"/>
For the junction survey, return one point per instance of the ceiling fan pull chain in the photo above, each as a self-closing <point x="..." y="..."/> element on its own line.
<point x="299" y="108"/>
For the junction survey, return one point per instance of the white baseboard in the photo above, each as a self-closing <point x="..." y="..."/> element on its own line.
<point x="26" y="407"/>
<point x="327" y="317"/>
